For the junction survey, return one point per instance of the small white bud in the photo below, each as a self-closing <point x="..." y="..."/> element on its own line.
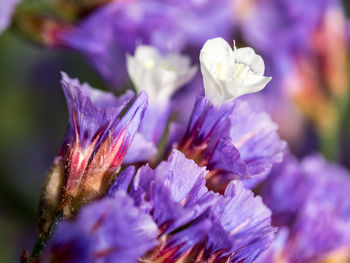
<point x="157" y="74"/>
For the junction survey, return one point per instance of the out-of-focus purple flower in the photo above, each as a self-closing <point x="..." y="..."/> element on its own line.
<point x="6" y="9"/>
<point x="109" y="230"/>
<point x="195" y="223"/>
<point x="309" y="43"/>
<point x="279" y="23"/>
<point x="117" y="28"/>
<point x="285" y="178"/>
<point x="310" y="198"/>
<point x="96" y="143"/>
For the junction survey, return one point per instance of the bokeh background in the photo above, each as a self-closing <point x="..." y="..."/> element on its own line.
<point x="33" y="119"/>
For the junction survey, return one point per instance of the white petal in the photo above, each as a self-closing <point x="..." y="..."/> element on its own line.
<point x="228" y="74"/>
<point x="157" y="74"/>
<point x="248" y="57"/>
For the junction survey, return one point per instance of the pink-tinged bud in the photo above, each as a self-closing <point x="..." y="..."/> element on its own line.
<point x="96" y="143"/>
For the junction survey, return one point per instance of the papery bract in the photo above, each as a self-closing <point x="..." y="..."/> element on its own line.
<point x="94" y="147"/>
<point x="195" y="223"/>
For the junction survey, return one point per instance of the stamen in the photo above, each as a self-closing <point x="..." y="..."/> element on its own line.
<point x="244" y="72"/>
<point x="149" y="63"/>
<point x="166" y="64"/>
<point x="219" y="70"/>
<point x="238" y="70"/>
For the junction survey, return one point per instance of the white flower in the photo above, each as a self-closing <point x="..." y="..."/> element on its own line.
<point x="227" y="73"/>
<point x="159" y="75"/>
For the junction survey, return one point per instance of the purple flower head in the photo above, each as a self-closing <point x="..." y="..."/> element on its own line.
<point x="109" y="230"/>
<point x="6" y="9"/>
<point x="117" y="28"/>
<point x="100" y="139"/>
<point x="233" y="141"/>
<point x="195" y="223"/>
<point x="310" y="198"/>
<point x="96" y="143"/>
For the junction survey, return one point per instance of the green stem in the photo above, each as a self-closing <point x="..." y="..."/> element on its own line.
<point x="43" y="240"/>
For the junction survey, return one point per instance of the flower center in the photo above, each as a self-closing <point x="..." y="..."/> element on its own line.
<point x="219" y="71"/>
<point x="241" y="71"/>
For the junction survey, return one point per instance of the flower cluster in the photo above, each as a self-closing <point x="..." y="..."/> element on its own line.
<point x="184" y="168"/>
<point x="188" y="201"/>
<point x="139" y="178"/>
<point x="133" y="184"/>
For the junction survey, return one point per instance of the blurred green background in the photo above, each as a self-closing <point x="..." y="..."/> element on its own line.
<point x="33" y="118"/>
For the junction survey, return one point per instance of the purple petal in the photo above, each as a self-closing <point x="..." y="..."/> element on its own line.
<point x="122" y="182"/>
<point x="254" y="135"/>
<point x="110" y="230"/>
<point x="243" y="226"/>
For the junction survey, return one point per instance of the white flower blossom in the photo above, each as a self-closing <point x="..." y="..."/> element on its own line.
<point x="227" y="73"/>
<point x="157" y="74"/>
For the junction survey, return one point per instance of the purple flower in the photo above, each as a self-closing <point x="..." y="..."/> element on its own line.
<point x="233" y="141"/>
<point x="280" y="23"/>
<point x="95" y="145"/>
<point x="117" y="28"/>
<point x="195" y="223"/>
<point x="310" y="198"/>
<point x="6" y="9"/>
<point x="109" y="230"/>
